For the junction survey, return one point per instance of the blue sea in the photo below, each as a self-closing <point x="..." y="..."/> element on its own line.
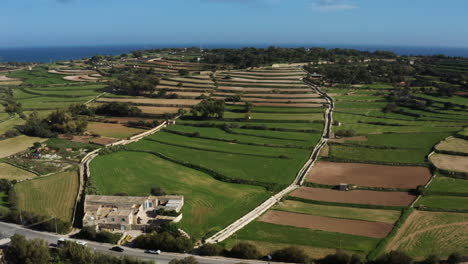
<point x="50" y="54"/>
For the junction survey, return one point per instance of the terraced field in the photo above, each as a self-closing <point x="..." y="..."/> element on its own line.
<point x="260" y="154"/>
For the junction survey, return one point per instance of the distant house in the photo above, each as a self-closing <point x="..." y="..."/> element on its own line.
<point x="315" y="75"/>
<point x="130" y="212"/>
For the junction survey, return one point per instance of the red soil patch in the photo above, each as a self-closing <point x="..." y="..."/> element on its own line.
<point x="243" y="89"/>
<point x="356" y="196"/>
<point x="342" y="140"/>
<point x="346" y="226"/>
<point x="272" y="95"/>
<point x="334" y="173"/>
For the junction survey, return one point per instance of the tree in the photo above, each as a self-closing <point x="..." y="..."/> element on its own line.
<point x="455" y="258"/>
<point x="431" y="259"/>
<point x="137" y="53"/>
<point x="117" y="109"/>
<point x="22" y="251"/>
<point x="187" y="260"/>
<point x="245" y="250"/>
<point x="209" y="108"/>
<point x="290" y="254"/>
<point x="210" y="249"/>
<point x="157" y="191"/>
<point x="183" y="72"/>
<point x="394" y="257"/>
<point x="339" y="257"/>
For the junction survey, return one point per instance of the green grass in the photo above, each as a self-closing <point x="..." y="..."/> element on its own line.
<point x="405" y="140"/>
<point x="373" y="215"/>
<point x="278" y="138"/>
<point x="444" y="202"/>
<point x="447" y="184"/>
<point x="49" y="196"/>
<point x="259" y="231"/>
<point x="297" y="126"/>
<point x="4" y="199"/>
<point x="237" y="166"/>
<point x="277" y="116"/>
<point x="354" y="153"/>
<point x="38" y="76"/>
<point x="10" y="124"/>
<point x="209" y="204"/>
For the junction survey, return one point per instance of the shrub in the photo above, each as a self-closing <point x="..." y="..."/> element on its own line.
<point x="345" y="133"/>
<point x="394" y="257"/>
<point x="455" y="258"/>
<point x="431" y="259"/>
<point x="187" y="260"/>
<point x="164" y="241"/>
<point x="210" y="250"/>
<point x="157" y="191"/>
<point x="339" y="257"/>
<point x="117" y="109"/>
<point x="245" y="251"/>
<point x="103" y="236"/>
<point x="290" y="254"/>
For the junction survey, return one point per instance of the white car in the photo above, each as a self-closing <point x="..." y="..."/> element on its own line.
<point x="156" y="252"/>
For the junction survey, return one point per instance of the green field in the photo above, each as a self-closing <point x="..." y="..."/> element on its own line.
<point x="444" y="202"/>
<point x="374" y="215"/>
<point x="53" y="195"/>
<point x="249" y="166"/>
<point x="447" y="184"/>
<point x="259" y="231"/>
<point x="209" y="204"/>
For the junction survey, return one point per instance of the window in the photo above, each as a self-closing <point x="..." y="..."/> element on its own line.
<point x="113" y="219"/>
<point x="123" y="219"/>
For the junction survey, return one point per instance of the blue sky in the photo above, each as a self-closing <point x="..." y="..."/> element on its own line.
<point x="275" y="22"/>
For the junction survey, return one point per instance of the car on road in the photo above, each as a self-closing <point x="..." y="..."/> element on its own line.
<point x="156" y="252"/>
<point x="117" y="249"/>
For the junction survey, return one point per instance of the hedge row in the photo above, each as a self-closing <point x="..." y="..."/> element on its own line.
<point x="379" y="249"/>
<point x="365" y="206"/>
<point x="212" y="150"/>
<point x="273" y="187"/>
<point x="428" y="192"/>
<point x="228" y="130"/>
<point x="364" y="146"/>
<point x="333" y="159"/>
<point x="380" y="189"/>
<point x="196" y="135"/>
<point x="452" y="174"/>
<point x="433" y="209"/>
<point x="461" y="136"/>
<point x="253" y="127"/>
<point x="455" y="153"/>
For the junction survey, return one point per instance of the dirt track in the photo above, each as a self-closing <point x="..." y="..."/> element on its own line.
<point x="346" y="226"/>
<point x="334" y="173"/>
<point x="357" y="196"/>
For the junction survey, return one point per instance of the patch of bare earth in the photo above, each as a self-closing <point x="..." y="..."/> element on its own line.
<point x="356" y="196"/>
<point x="346" y="226"/>
<point x="6" y="79"/>
<point x="334" y="173"/>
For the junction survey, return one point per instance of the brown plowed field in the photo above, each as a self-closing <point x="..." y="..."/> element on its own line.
<point x="356" y="196"/>
<point x="232" y="88"/>
<point x="151" y="101"/>
<point x="160" y="110"/>
<point x="346" y="226"/>
<point x="334" y="173"/>
<point x="272" y="95"/>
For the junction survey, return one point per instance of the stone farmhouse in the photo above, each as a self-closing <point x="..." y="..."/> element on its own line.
<point x="130" y="212"/>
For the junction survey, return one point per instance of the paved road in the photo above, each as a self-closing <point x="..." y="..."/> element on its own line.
<point x="8" y="230"/>
<point x="299" y="180"/>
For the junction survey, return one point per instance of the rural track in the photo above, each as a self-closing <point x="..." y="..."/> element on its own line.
<point x="298" y="181"/>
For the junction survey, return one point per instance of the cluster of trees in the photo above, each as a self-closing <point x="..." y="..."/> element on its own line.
<point x="380" y="71"/>
<point x="137" y="82"/>
<point x="36" y="251"/>
<point x="172" y="241"/>
<point x="117" y="109"/>
<point x="59" y="121"/>
<point x="345" y="133"/>
<point x="209" y="108"/>
<point x="254" y="57"/>
<point x="90" y="233"/>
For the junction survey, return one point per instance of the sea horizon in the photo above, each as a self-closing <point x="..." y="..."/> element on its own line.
<point x="47" y="54"/>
